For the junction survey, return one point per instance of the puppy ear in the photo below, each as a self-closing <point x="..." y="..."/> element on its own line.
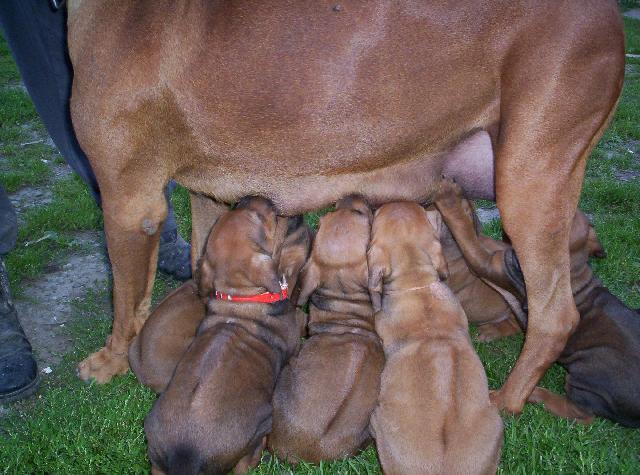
<point x="309" y="281"/>
<point x="435" y="219"/>
<point x="294" y="251"/>
<point x="379" y="270"/>
<point x="434" y="249"/>
<point x="204" y="277"/>
<point x="264" y="273"/>
<point x="594" y="245"/>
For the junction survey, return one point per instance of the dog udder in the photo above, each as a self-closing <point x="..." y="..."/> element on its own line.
<point x="470" y="163"/>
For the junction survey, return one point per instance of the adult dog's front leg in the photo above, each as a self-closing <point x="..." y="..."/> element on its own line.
<point x="132" y="227"/>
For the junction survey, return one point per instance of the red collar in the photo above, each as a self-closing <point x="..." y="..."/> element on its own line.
<point x="265" y="297"/>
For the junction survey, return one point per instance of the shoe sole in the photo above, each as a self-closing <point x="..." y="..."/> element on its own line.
<point x="21" y="393"/>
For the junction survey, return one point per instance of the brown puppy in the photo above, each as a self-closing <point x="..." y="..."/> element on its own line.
<point x="216" y="411"/>
<point x="434" y="414"/>
<point x="601" y="378"/>
<point x="326" y="394"/>
<point x="166" y="335"/>
<point x="494" y="317"/>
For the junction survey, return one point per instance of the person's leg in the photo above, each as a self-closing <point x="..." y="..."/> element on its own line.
<point x="37" y="37"/>
<point x="174" y="254"/>
<point x="18" y="369"/>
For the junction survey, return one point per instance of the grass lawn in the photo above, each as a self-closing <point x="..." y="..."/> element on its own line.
<point x="72" y="427"/>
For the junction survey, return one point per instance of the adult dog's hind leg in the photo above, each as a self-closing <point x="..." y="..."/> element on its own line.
<point x="550" y="121"/>
<point x="133" y="218"/>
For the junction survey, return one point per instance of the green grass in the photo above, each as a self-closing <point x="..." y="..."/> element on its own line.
<point x="47" y="233"/>
<point x="71" y="427"/>
<point x="632" y="35"/>
<point x="24" y="165"/>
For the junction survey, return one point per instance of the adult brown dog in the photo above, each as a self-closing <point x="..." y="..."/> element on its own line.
<point x="216" y="411"/>
<point x="326" y="394"/>
<point x="601" y="376"/>
<point x="307" y="102"/>
<point x="434" y="414"/>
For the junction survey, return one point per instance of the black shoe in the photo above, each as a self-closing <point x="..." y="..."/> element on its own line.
<point x="174" y="256"/>
<point x="18" y="369"/>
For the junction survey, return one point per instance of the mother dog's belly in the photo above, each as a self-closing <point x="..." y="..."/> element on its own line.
<point x="470" y="163"/>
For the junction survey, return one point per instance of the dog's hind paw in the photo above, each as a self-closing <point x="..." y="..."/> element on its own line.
<point x="103" y="365"/>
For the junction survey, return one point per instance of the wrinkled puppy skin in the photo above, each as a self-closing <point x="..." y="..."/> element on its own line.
<point x="433" y="415"/>
<point x="326" y="394"/>
<point x="216" y="411"/>
<point x="165" y="336"/>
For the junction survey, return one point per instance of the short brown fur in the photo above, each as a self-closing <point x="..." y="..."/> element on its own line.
<point x="434" y="414"/>
<point x="305" y="103"/>
<point x="326" y="394"/>
<point x="216" y="411"/>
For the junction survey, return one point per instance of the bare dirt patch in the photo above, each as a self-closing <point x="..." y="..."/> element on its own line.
<point x="29" y="197"/>
<point x="45" y="308"/>
<point x="627" y="175"/>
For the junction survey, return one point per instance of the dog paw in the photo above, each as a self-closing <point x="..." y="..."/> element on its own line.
<point x="103" y="365"/>
<point x="448" y="193"/>
<point x="491" y="332"/>
<point x="487" y="335"/>
<point x="504" y="404"/>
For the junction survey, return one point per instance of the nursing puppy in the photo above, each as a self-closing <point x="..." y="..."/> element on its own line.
<point x="326" y="394"/>
<point x="216" y="411"/>
<point x="166" y="335"/>
<point x="484" y="305"/>
<point x="434" y="414"/>
<point x="602" y="378"/>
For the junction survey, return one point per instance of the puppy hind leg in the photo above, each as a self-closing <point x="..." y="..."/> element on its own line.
<point x="494" y="331"/>
<point x="560" y="406"/>
<point x="251" y="460"/>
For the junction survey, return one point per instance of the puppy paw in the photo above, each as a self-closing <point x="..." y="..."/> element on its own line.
<point x="448" y="194"/>
<point x="505" y="404"/>
<point x="491" y="332"/>
<point x="103" y="365"/>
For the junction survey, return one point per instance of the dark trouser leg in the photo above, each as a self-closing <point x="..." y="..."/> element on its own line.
<point x="8" y="224"/>
<point x="18" y="369"/>
<point x="37" y="36"/>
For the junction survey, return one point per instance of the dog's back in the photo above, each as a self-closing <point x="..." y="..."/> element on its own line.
<point x="325" y="396"/>
<point x="216" y="410"/>
<point x="434" y="413"/>
<point x="600" y="356"/>
<point x="221" y="388"/>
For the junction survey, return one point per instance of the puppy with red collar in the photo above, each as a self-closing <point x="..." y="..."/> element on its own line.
<point x="216" y="411"/>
